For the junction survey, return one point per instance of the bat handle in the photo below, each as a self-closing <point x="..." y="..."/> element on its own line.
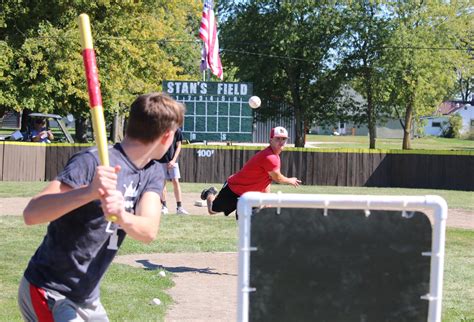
<point x="112" y="218"/>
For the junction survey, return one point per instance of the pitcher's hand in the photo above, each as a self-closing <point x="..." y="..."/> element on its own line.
<point x="295" y="182"/>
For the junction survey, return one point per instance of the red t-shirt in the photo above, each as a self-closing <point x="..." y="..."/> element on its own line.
<point x="254" y="175"/>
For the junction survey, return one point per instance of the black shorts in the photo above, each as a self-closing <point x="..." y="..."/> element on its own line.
<point x="226" y="200"/>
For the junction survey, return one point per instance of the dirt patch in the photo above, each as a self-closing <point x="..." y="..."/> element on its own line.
<point x="457" y="218"/>
<point x="13" y="206"/>
<point x="205" y="283"/>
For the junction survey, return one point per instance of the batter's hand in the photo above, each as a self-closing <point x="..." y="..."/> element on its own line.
<point x="113" y="204"/>
<point x="105" y="180"/>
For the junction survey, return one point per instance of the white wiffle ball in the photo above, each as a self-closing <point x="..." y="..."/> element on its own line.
<point x="254" y="102"/>
<point x="155" y="301"/>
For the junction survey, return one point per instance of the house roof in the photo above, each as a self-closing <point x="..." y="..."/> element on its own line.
<point x="448" y="107"/>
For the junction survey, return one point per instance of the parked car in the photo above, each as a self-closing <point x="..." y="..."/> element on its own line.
<point x="54" y="123"/>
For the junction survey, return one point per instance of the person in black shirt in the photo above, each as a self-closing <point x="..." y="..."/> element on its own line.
<point x="170" y="166"/>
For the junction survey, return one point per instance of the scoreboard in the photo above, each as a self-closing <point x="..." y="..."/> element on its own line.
<point x="215" y="111"/>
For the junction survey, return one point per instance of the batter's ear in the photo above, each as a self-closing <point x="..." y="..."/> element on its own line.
<point x="165" y="137"/>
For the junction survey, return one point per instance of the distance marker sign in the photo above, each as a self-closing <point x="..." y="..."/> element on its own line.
<point x="215" y="111"/>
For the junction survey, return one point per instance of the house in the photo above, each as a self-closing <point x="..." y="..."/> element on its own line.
<point x="10" y="120"/>
<point x="436" y="124"/>
<point x="467" y="115"/>
<point x="386" y="127"/>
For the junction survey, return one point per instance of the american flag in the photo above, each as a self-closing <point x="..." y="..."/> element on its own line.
<point x="208" y="34"/>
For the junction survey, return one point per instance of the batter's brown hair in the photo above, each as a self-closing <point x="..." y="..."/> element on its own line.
<point x="152" y="115"/>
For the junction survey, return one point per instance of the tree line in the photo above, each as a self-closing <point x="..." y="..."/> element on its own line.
<point x="41" y="66"/>
<point x="403" y="57"/>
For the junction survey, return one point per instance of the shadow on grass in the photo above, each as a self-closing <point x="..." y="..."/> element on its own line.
<point x="149" y="266"/>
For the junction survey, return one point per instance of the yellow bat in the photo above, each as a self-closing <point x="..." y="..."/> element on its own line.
<point x="93" y="87"/>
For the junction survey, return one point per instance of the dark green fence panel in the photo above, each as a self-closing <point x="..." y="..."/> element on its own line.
<point x="210" y="164"/>
<point x="57" y="157"/>
<point x="339" y="168"/>
<point x="23" y="161"/>
<point x="428" y="171"/>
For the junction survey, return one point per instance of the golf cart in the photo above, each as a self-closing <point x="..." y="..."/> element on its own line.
<point x="54" y="123"/>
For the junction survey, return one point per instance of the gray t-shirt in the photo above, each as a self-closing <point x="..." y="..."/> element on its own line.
<point x="73" y="255"/>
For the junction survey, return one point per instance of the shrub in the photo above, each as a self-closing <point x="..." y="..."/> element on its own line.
<point x="454" y="128"/>
<point x="470" y="135"/>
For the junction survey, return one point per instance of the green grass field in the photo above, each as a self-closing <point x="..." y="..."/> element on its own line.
<point x="126" y="291"/>
<point x="455" y="199"/>
<point x="362" y="142"/>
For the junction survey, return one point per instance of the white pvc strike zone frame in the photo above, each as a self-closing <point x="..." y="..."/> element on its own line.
<point x="435" y="204"/>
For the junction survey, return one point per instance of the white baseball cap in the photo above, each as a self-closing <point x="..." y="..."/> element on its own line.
<point x="278" y="132"/>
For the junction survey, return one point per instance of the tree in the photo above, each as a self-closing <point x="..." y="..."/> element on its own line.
<point x="7" y="89"/>
<point x="465" y="81"/>
<point x="368" y="32"/>
<point x="421" y="57"/>
<point x="465" y="63"/>
<point x="285" y="49"/>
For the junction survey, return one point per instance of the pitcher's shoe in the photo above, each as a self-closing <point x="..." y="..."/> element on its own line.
<point x="207" y="191"/>
<point x="164" y="210"/>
